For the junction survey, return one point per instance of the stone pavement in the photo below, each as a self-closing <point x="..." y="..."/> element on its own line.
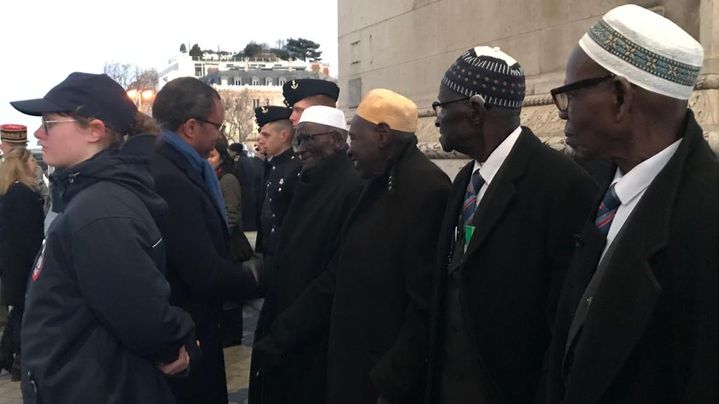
<point x="237" y="365"/>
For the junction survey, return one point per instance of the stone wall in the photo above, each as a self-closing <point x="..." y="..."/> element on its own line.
<point x="406" y="45"/>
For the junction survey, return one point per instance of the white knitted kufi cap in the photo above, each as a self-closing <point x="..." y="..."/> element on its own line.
<point x="647" y="49"/>
<point x="325" y="116"/>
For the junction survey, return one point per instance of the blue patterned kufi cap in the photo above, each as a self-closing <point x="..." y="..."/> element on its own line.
<point x="647" y="49"/>
<point x="487" y="71"/>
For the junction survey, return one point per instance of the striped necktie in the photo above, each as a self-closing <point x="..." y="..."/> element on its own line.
<point x="607" y="210"/>
<point x="470" y="198"/>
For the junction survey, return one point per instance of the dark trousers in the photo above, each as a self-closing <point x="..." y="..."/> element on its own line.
<point x="10" y="341"/>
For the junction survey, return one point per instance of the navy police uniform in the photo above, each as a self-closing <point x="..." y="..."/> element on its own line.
<point x="281" y="175"/>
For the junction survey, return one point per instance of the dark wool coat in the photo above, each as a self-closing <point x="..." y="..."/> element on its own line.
<point x="651" y="333"/>
<point x="198" y="270"/>
<point x="514" y="266"/>
<point x="323" y="198"/>
<point x="21" y="233"/>
<point x="378" y="289"/>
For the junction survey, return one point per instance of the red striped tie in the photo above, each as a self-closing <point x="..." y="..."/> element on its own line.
<point x="470" y="198"/>
<point x="607" y="210"/>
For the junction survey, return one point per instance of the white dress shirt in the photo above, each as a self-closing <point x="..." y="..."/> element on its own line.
<point x="489" y="168"/>
<point x="630" y="187"/>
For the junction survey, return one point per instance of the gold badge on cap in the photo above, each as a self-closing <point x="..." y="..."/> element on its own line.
<point x="294" y="85"/>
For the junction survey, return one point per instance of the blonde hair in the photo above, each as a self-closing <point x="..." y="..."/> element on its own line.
<point x="15" y="168"/>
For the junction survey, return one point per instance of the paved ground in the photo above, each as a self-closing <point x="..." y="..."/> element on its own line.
<point x="237" y="365"/>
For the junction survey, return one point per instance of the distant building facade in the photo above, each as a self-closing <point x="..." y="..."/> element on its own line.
<point x="182" y="65"/>
<point x="251" y="82"/>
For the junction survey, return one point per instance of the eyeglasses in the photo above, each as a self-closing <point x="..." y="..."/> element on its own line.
<point x="219" y="126"/>
<point x="308" y="137"/>
<point x="47" y="127"/>
<point x="560" y="95"/>
<point x="439" y="106"/>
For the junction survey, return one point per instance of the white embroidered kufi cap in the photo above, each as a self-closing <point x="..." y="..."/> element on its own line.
<point x="647" y="49"/>
<point x="325" y="116"/>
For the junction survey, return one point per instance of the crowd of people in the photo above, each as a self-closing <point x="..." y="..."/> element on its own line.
<point x="529" y="278"/>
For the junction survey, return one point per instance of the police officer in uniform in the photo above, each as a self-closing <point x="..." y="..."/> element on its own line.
<point x="281" y="175"/>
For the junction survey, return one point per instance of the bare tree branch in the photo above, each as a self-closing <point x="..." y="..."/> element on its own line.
<point x="239" y="114"/>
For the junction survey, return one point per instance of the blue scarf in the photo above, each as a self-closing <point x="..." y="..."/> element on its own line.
<point x="201" y="166"/>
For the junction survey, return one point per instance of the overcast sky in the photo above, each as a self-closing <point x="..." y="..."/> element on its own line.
<point x="41" y="42"/>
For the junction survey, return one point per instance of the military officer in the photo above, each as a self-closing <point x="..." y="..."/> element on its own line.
<point x="281" y="174"/>
<point x="304" y="93"/>
<point x="13" y="136"/>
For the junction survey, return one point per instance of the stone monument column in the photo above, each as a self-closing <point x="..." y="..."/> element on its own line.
<point x="705" y="101"/>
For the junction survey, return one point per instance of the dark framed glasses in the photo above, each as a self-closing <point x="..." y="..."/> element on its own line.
<point x="439" y="106"/>
<point x="308" y="137"/>
<point x="560" y="95"/>
<point x="219" y="126"/>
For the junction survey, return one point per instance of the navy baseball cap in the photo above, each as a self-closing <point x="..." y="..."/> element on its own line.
<point x="89" y="95"/>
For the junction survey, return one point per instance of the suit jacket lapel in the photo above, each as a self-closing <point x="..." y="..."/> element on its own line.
<point x="501" y="190"/>
<point x="625" y="300"/>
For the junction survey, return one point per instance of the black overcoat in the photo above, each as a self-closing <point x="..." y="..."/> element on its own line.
<point x="651" y="333"/>
<point x="323" y="198"/>
<point x="21" y="234"/>
<point x="198" y="270"/>
<point x="514" y="266"/>
<point x="378" y="288"/>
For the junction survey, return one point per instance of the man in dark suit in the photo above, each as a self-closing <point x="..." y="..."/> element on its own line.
<point x="637" y="320"/>
<point x="325" y="193"/>
<point x="506" y="239"/>
<point x="375" y="296"/>
<point x="195" y="229"/>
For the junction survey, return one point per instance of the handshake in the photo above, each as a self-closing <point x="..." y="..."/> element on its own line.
<point x="255" y="265"/>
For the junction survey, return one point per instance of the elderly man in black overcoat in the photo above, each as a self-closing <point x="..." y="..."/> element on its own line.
<point x="195" y="229"/>
<point x="637" y="321"/>
<point x="506" y="239"/>
<point x="326" y="191"/>
<point x="375" y="297"/>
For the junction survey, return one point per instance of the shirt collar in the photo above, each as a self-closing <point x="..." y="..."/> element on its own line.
<point x="628" y="186"/>
<point x="488" y="169"/>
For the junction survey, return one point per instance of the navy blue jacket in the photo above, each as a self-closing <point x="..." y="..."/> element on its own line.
<point x="97" y="317"/>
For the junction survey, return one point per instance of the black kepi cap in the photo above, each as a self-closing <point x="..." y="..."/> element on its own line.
<point x="296" y="90"/>
<point x="89" y="95"/>
<point x="271" y="113"/>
